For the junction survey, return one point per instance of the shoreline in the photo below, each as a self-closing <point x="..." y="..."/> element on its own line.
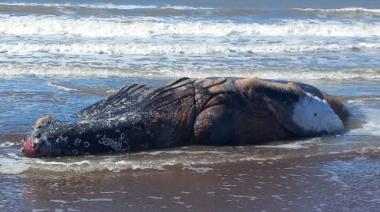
<point x="312" y="184"/>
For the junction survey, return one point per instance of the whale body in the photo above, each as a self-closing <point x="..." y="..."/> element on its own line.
<point x="211" y="111"/>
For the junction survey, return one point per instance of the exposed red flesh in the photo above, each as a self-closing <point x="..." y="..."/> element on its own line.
<point x="27" y="148"/>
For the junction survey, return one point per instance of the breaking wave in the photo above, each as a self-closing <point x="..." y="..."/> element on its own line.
<point x="176" y="48"/>
<point x="149" y="27"/>
<point x="73" y="72"/>
<point x="102" y="6"/>
<point x="349" y="10"/>
<point x="165" y="9"/>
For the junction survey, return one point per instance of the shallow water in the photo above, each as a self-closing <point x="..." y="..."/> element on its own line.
<point x="57" y="58"/>
<point x="340" y="182"/>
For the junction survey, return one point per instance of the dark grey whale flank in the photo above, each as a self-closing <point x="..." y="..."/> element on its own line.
<point x="211" y="111"/>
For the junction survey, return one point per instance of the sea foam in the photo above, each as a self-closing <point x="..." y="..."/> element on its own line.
<point x="371" y="127"/>
<point x="176" y="48"/>
<point x="102" y="6"/>
<point x="147" y="27"/>
<point x="340" y="10"/>
<point x="77" y="72"/>
<point x="160" y="161"/>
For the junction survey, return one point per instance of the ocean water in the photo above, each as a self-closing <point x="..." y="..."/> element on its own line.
<point x="57" y="57"/>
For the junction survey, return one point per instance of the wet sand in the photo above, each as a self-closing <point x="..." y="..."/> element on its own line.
<point x="346" y="182"/>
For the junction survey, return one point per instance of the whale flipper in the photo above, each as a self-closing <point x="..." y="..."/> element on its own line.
<point x="126" y="99"/>
<point x="169" y="95"/>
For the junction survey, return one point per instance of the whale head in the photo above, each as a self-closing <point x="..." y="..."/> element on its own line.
<point x="302" y="109"/>
<point x="315" y="115"/>
<point x="38" y="144"/>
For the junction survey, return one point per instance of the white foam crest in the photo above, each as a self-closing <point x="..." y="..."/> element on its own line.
<point x="148" y="27"/>
<point x="154" y="153"/>
<point x="105" y="6"/>
<point x="21" y="71"/>
<point x="61" y="87"/>
<point x="7" y="144"/>
<point x="12" y="166"/>
<point x="364" y="100"/>
<point x="200" y="170"/>
<point x="302" y="144"/>
<point x="18" y="165"/>
<point x="175" y="48"/>
<point x="340" y="10"/>
<point x="285" y="146"/>
<point x="371" y="127"/>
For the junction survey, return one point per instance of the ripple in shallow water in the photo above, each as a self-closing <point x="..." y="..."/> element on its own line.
<point x="195" y="158"/>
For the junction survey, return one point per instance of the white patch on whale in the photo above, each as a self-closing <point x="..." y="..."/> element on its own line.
<point x="315" y="115"/>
